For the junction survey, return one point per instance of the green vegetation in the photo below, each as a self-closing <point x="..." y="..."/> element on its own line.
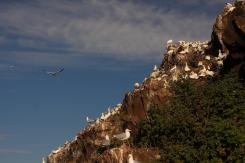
<point x="200" y="124"/>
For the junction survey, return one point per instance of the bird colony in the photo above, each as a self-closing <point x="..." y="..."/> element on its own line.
<point x="178" y="65"/>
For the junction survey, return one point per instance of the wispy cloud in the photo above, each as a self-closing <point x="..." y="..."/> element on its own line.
<point x="117" y="29"/>
<point x="14" y="152"/>
<point x="3" y="137"/>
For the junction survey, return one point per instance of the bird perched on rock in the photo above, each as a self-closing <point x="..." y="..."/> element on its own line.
<point x="131" y="159"/>
<point x="210" y="73"/>
<point x="173" y="68"/>
<point x="207" y="57"/>
<point x="106" y="141"/>
<point x="88" y="120"/>
<point x="169" y="42"/>
<point x="155" y="68"/>
<point x="186" y="67"/>
<point x="123" y="136"/>
<point x="136" y="86"/>
<point x="43" y="160"/>
<point x="193" y="75"/>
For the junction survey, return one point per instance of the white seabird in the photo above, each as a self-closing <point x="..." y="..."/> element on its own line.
<point x="207" y="57"/>
<point x="193" y="75"/>
<point x="170" y="52"/>
<point x="200" y="63"/>
<point x="54" y="73"/>
<point x="169" y="42"/>
<point x="220" y="63"/>
<point x="173" y="68"/>
<point x="155" y="68"/>
<point x="89" y="120"/>
<point x="123" y="136"/>
<point x="131" y="159"/>
<point x="136" y="85"/>
<point x="43" y="160"/>
<point x="102" y="116"/>
<point x="106" y="141"/>
<point x="186" y="67"/>
<point x="210" y="73"/>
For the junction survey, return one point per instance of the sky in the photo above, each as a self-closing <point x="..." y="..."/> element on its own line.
<point x="105" y="46"/>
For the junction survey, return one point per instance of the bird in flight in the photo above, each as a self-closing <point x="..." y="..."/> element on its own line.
<point x="54" y="73"/>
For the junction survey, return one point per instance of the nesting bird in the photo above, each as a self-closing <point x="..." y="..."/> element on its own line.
<point x="186" y="67"/>
<point x="123" y="136"/>
<point x="169" y="42"/>
<point x="210" y="73"/>
<point x="221" y="55"/>
<point x="207" y="57"/>
<point x="56" y="151"/>
<point x="155" y="68"/>
<point x="170" y="52"/>
<point x="89" y="120"/>
<point x="228" y="7"/>
<point x="200" y="63"/>
<point x="136" y="86"/>
<point x="220" y="63"/>
<point x="106" y="141"/>
<point x="173" y="68"/>
<point x="131" y="159"/>
<point x="193" y="75"/>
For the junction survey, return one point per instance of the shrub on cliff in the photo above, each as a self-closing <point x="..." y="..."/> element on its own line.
<point x="200" y="123"/>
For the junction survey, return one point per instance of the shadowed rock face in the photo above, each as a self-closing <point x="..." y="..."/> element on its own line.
<point x="229" y="35"/>
<point x="195" y="60"/>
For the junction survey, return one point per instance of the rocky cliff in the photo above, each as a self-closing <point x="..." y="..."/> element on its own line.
<point x="198" y="61"/>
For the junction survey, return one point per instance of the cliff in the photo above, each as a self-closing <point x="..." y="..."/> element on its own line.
<point x="197" y="61"/>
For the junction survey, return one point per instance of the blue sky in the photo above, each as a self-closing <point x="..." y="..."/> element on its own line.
<point x="104" y="45"/>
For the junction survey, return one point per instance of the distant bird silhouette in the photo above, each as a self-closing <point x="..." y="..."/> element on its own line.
<point x="54" y="73"/>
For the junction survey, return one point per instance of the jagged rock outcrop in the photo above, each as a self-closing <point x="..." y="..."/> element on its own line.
<point x="229" y="35"/>
<point x="198" y="61"/>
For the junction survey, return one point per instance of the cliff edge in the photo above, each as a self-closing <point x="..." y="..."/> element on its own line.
<point x="197" y="61"/>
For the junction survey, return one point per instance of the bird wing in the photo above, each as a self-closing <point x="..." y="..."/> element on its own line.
<point x="61" y="70"/>
<point x="120" y="136"/>
<point x="105" y="143"/>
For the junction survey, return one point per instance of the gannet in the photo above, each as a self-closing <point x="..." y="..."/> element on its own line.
<point x="170" y="52"/>
<point x="106" y="141"/>
<point x="89" y="120"/>
<point x="54" y="73"/>
<point x="210" y="73"/>
<point x="173" y="68"/>
<point x="169" y="41"/>
<point x="220" y="63"/>
<point x="155" y="68"/>
<point x="200" y="63"/>
<point x="131" y="159"/>
<point x="186" y="67"/>
<point x="207" y="57"/>
<point x="193" y="75"/>
<point x="136" y="85"/>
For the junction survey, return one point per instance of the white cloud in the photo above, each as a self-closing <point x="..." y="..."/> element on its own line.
<point x="14" y="152"/>
<point x="117" y="29"/>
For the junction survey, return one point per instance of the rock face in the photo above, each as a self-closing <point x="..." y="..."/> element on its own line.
<point x="198" y="61"/>
<point x="229" y="35"/>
